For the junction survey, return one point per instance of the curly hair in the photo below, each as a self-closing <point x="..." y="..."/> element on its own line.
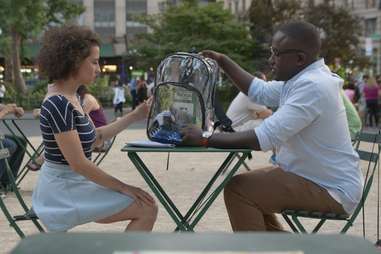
<point x="64" y="49"/>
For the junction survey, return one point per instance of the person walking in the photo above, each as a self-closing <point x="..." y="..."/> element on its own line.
<point x="141" y="89"/>
<point x="119" y="98"/>
<point x="133" y="93"/>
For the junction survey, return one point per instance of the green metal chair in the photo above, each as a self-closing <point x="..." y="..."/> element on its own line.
<point x="28" y="213"/>
<point x="371" y="158"/>
<point x="101" y="154"/>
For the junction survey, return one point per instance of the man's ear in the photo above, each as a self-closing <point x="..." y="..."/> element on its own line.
<point x="301" y="59"/>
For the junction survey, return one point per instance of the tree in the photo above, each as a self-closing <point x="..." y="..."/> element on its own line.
<point x="340" y="32"/>
<point x="20" y="19"/>
<point x="340" y="29"/>
<point x="263" y="17"/>
<point x="189" y="26"/>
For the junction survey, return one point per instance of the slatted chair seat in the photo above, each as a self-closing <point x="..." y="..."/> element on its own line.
<point x="315" y="215"/>
<point x="371" y="158"/>
<point x="29" y="214"/>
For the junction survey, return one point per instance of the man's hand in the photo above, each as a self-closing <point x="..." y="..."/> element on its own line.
<point x="213" y="55"/>
<point x="192" y="136"/>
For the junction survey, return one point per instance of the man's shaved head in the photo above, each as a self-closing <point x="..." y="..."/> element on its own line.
<point x="302" y="35"/>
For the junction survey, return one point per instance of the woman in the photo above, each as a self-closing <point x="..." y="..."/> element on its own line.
<point x="71" y="190"/>
<point x="92" y="107"/>
<point x="371" y="99"/>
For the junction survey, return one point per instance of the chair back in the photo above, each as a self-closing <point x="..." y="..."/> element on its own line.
<point x="4" y="155"/>
<point x="28" y="213"/>
<point x="367" y="146"/>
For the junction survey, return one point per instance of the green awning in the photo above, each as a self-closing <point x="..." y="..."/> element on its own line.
<point x="107" y="50"/>
<point x="30" y="50"/>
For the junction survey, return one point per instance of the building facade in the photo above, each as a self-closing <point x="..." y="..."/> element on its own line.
<point x="114" y="21"/>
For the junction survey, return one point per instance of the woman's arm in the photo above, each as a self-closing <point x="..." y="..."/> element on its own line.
<point x="71" y="148"/>
<point x="11" y="108"/>
<point x="108" y="131"/>
<point x="90" y="103"/>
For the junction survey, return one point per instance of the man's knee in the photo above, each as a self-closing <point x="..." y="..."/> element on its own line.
<point x="237" y="185"/>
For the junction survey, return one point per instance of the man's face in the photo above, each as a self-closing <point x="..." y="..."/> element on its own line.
<point x="285" y="59"/>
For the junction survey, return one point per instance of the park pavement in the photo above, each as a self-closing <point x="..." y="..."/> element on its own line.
<point x="186" y="175"/>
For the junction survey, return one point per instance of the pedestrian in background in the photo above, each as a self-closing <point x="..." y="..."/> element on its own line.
<point x="119" y="98"/>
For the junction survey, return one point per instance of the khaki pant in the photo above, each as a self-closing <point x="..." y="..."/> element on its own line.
<point x="253" y="198"/>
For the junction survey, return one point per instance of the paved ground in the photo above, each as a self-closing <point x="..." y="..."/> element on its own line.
<point x="185" y="177"/>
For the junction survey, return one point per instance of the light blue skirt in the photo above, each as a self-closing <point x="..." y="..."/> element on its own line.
<point x="64" y="199"/>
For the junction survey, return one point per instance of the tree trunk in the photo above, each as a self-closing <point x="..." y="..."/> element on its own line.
<point x="18" y="81"/>
<point x="8" y="74"/>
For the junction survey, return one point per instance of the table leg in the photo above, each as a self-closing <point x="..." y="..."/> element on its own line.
<point x="159" y="192"/>
<point x="218" y="190"/>
<point x="205" y="191"/>
<point x="200" y="206"/>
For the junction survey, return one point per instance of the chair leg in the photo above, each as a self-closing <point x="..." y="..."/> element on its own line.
<point x="318" y="226"/>
<point x="299" y="224"/>
<point x="290" y="223"/>
<point x="10" y="219"/>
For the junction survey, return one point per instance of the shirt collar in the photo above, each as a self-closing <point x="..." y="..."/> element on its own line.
<point x="315" y="65"/>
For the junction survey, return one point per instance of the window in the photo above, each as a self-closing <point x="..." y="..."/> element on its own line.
<point x="104" y="13"/>
<point x="135" y="8"/>
<point x="370" y="27"/>
<point x="370" y="4"/>
<point x="104" y="19"/>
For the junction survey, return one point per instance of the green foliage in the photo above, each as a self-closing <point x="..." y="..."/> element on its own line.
<point x="24" y="19"/>
<point x="102" y="91"/>
<point x="264" y="16"/>
<point x="341" y="30"/>
<point x="31" y="99"/>
<point x="187" y="27"/>
<point x="28" y="17"/>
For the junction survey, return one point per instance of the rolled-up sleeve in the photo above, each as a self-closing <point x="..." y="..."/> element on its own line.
<point x="265" y="92"/>
<point x="297" y="112"/>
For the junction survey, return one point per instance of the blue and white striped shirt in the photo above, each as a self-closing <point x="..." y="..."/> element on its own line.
<point x="59" y="115"/>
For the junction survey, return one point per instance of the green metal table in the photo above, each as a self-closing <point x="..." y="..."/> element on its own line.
<point x="13" y="126"/>
<point x="208" y="194"/>
<point x="239" y="243"/>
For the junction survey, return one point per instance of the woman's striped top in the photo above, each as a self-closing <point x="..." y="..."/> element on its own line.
<point x="59" y="115"/>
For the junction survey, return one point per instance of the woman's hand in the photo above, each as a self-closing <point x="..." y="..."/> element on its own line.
<point x="19" y="112"/>
<point x="138" y="194"/>
<point x="141" y="111"/>
<point x="192" y="136"/>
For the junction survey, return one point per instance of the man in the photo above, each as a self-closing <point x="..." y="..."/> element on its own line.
<point x="317" y="168"/>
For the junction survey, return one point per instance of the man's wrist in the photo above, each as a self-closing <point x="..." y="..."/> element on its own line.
<point x="205" y="138"/>
<point x="204" y="142"/>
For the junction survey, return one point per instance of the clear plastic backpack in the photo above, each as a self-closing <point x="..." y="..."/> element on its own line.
<point x="184" y="94"/>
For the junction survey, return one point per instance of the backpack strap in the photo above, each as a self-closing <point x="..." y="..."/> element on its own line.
<point x="223" y="122"/>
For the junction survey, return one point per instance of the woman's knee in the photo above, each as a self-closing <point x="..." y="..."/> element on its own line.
<point x="149" y="212"/>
